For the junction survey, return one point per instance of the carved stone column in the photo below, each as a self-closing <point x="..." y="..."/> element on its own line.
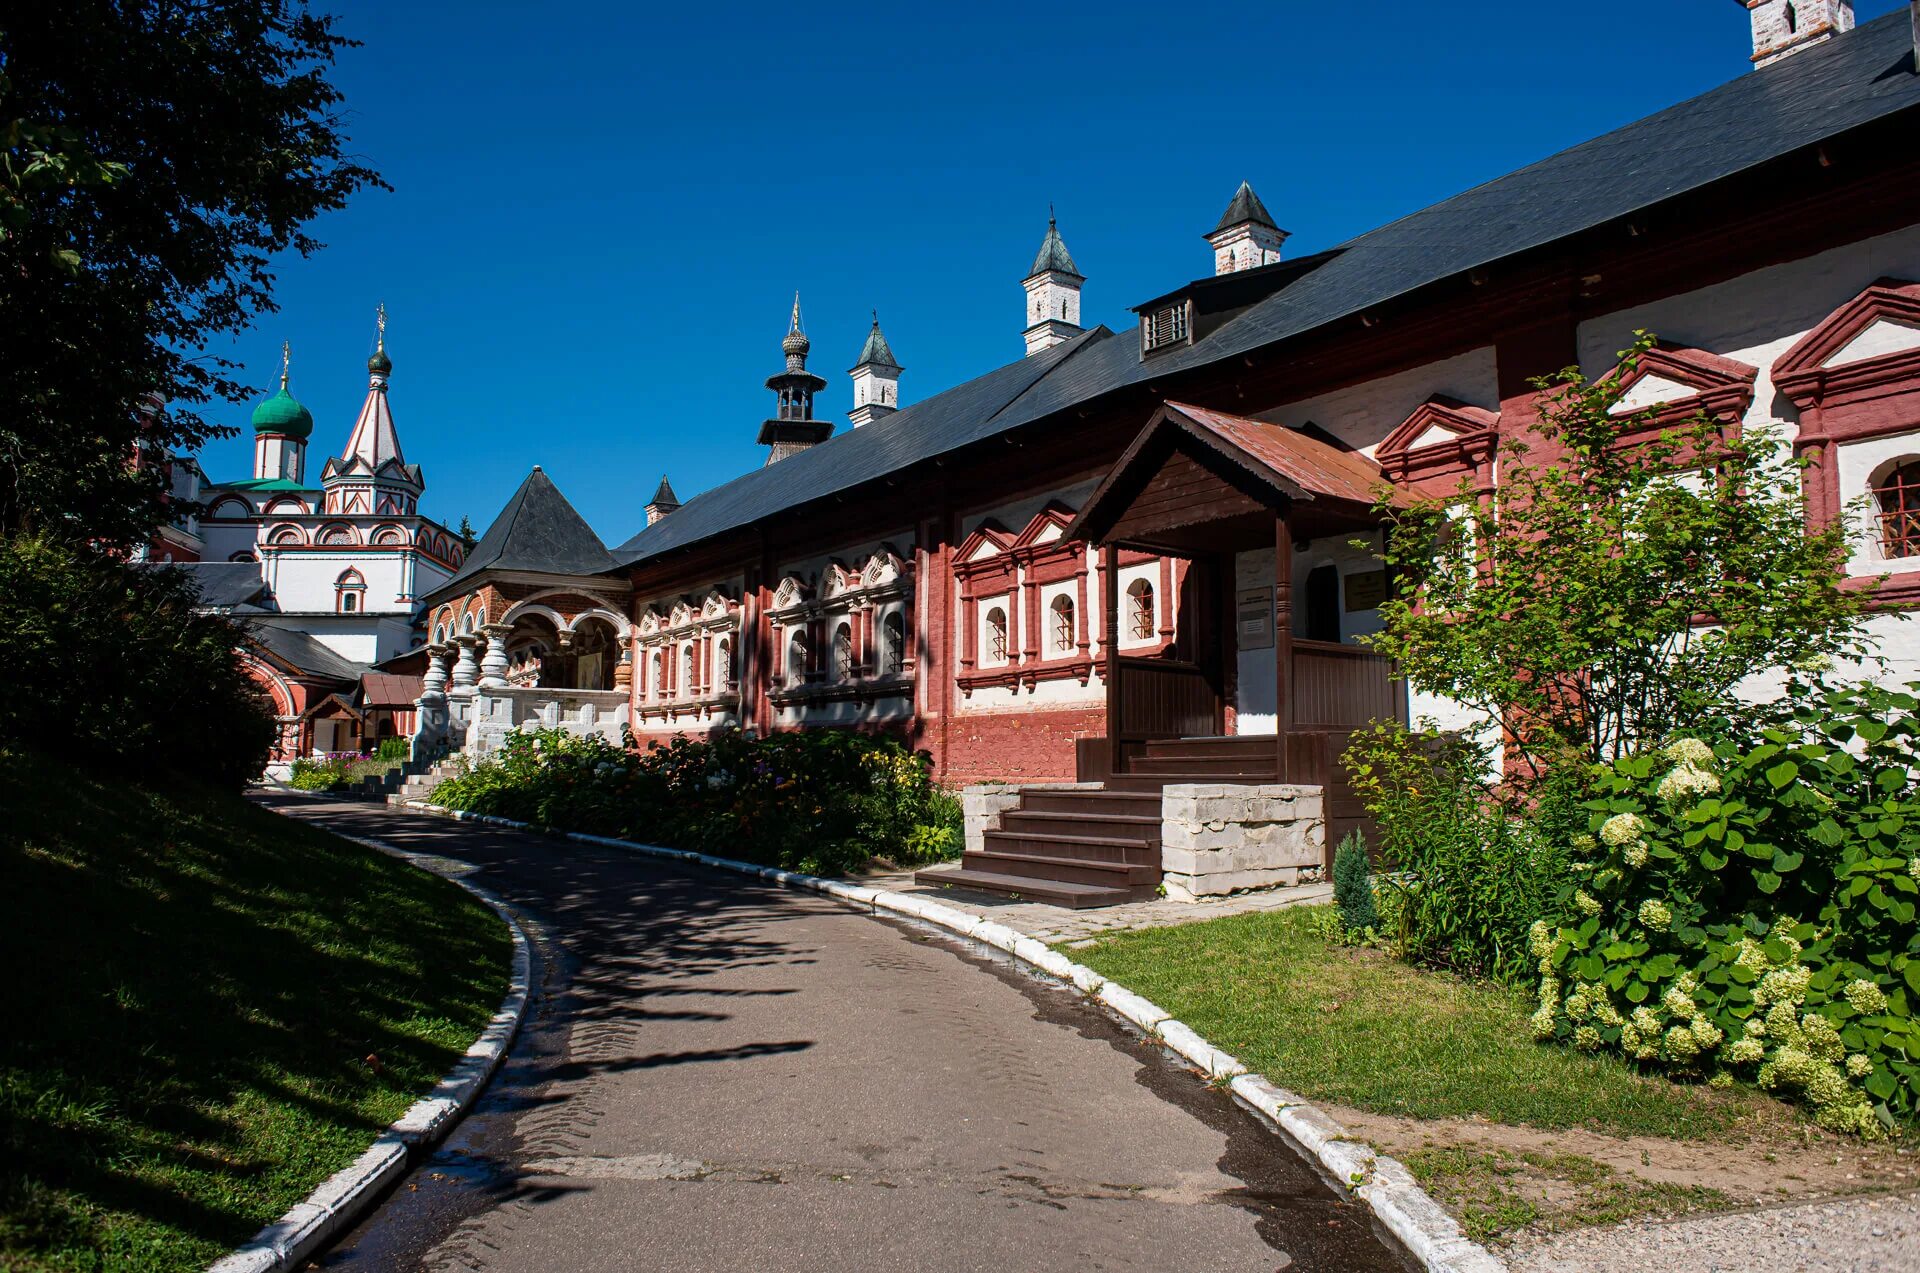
<point x="466" y="672"/>
<point x="493" y="667"/>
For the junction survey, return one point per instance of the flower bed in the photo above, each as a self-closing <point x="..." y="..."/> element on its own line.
<point x="822" y="802"/>
<point x="1747" y="909"/>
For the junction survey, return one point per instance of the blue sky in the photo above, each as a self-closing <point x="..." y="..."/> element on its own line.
<point x="601" y="211"/>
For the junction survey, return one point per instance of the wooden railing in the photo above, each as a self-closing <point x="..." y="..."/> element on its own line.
<point x="1163" y="698"/>
<point x="1343" y="685"/>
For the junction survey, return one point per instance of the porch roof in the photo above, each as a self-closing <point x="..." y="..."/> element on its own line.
<point x="1253" y="465"/>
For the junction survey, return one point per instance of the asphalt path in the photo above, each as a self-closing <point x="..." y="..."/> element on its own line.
<point x="716" y="1074"/>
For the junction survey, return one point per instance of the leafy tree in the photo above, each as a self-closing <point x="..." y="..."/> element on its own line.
<point x="1353" y="885"/>
<point x="154" y="159"/>
<point x="1613" y="589"/>
<point x="467" y="537"/>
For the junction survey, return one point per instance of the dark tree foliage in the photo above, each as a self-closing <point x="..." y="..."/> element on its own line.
<point x="119" y="672"/>
<point x="157" y="157"/>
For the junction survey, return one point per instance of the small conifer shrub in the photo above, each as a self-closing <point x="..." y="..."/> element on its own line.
<point x="1353" y="885"/>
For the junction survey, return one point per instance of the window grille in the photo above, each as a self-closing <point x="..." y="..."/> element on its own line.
<point x="1063" y="631"/>
<point x="1140" y="612"/>
<point x="1899" y="502"/>
<point x="896" y="630"/>
<point x="996" y="635"/>
<point x="843" y="652"/>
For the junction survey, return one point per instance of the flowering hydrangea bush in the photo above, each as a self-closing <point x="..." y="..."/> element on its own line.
<point x="1747" y="909"/>
<point x="821" y="802"/>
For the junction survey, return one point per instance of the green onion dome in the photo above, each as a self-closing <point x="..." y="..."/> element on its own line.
<point x="282" y="414"/>
<point x="380" y="364"/>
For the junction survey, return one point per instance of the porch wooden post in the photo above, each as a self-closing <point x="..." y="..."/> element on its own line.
<point x="1110" y="648"/>
<point x="1282" y="644"/>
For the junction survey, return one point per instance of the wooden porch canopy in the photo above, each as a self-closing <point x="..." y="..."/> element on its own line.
<point x="1200" y="481"/>
<point x="1204" y="485"/>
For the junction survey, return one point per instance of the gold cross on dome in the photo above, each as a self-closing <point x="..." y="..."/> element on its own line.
<point x="380" y="321"/>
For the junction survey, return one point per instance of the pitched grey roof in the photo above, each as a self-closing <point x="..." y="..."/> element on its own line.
<point x="305" y="653"/>
<point x="1851" y="80"/>
<point x="663" y="494"/>
<point x="1246" y="206"/>
<point x="225" y="584"/>
<point x="877" y="351"/>
<point x="1053" y="254"/>
<point x="538" y="530"/>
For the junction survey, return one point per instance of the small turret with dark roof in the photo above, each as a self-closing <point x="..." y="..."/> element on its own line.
<point x="664" y="501"/>
<point x="793" y="428"/>
<point x="876" y="379"/>
<point x="1247" y="236"/>
<point x="1053" y="293"/>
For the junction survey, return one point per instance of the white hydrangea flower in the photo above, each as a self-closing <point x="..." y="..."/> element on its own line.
<point x="1690" y="751"/>
<point x="1585" y="902"/>
<point x="1752" y="956"/>
<point x="1822" y="1040"/>
<point x="1622" y="828"/>
<point x="1745" y="1051"/>
<point x="1540" y="939"/>
<point x="1635" y="854"/>
<point x="1721" y="1080"/>
<point x="1867" y="999"/>
<point x="1859" y="1065"/>
<point x="1679" y="1003"/>
<point x="1684" y="782"/>
<point x="1542" y="1023"/>
<point x="1783" y="985"/>
<point x="1708" y="1035"/>
<point x="1587" y="1039"/>
<point x="1913" y="867"/>
<point x="1645" y="1021"/>
<point x="1655" y="915"/>
<point x="1756" y="1027"/>
<point x="1681" y="1045"/>
<point x="1584" y="842"/>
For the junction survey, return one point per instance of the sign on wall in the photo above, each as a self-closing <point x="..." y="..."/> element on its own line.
<point x="1253" y="618"/>
<point x="1366" y="590"/>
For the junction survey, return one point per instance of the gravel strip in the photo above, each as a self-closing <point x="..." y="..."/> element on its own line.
<point x="1858" y="1235"/>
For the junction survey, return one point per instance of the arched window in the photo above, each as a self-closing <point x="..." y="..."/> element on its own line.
<point x="1898" y="499"/>
<point x="1063" y="628"/>
<point x="389" y="537"/>
<point x="350" y="592"/>
<point x="723" y="656"/>
<point x="996" y="635"/>
<point x="286" y="535"/>
<point x="1140" y="616"/>
<point x="686" y="670"/>
<point x="895" y="633"/>
<point x="337" y="535"/>
<point x="657" y="683"/>
<point x="797" y="659"/>
<point x="843" y="652"/>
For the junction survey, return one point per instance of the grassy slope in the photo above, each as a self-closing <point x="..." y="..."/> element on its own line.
<point x="200" y="988"/>
<point x="1359" y="1029"/>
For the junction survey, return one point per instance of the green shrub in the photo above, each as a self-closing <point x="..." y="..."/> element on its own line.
<point x="125" y="677"/>
<point x="393" y="750"/>
<point x="1353" y="885"/>
<point x="822" y="801"/>
<point x="1470" y="876"/>
<point x="1748" y="908"/>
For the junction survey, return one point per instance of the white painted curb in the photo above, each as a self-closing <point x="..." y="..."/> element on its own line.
<point x="347" y="1193"/>
<point x="1405" y="1210"/>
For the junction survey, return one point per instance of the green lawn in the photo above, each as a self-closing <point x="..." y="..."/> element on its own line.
<point x="213" y="1009"/>
<point x="1357" y="1028"/>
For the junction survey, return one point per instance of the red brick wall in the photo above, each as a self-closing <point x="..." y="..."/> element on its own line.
<point x="1021" y="746"/>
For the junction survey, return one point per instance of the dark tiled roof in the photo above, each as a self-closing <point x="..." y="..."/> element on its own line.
<point x="1854" y="79"/>
<point x="305" y="654"/>
<point x="663" y="494"/>
<point x="960" y="415"/>
<point x="538" y="530"/>
<point x="1246" y="206"/>
<point x="225" y="584"/>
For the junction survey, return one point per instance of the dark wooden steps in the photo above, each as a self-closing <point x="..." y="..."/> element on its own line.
<point x="1020" y="888"/>
<point x="1101" y="847"/>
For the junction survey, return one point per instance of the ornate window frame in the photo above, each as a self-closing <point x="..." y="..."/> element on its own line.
<point x="1026" y="573"/>
<point x="1843" y="403"/>
<point x="862" y="599"/>
<point x="678" y="659"/>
